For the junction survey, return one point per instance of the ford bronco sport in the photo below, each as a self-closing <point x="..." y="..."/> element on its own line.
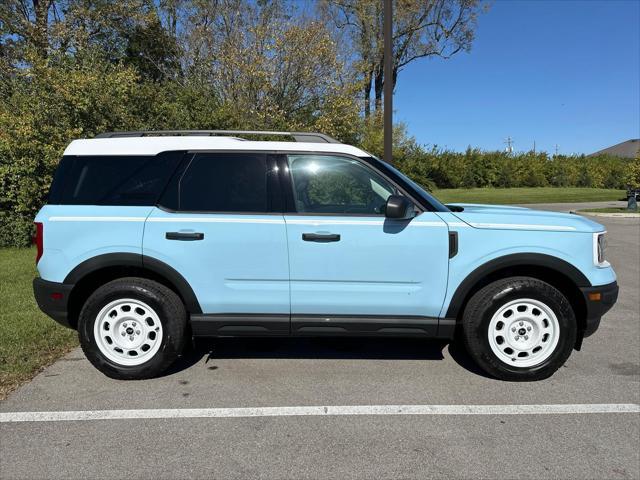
<point x="149" y="238"/>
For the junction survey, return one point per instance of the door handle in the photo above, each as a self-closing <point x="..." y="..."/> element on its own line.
<point x="321" y="237"/>
<point x="188" y="236"/>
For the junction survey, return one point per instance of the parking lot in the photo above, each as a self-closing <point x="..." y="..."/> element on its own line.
<point x="382" y="440"/>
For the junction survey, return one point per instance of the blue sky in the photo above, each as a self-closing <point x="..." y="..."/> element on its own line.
<point x="563" y="72"/>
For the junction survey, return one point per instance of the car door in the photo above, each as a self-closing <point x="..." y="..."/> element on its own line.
<point x="218" y="226"/>
<point x="353" y="270"/>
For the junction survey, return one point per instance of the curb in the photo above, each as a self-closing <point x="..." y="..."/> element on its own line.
<point x="603" y="214"/>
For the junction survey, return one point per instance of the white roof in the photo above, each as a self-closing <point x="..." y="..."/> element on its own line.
<point x="155" y="145"/>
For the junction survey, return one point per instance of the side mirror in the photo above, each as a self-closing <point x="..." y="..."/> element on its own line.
<point x="399" y="207"/>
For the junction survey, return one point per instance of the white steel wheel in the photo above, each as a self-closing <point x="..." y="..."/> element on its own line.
<point x="128" y="332"/>
<point x="524" y="332"/>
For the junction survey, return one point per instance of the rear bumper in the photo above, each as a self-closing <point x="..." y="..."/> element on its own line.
<point x="53" y="299"/>
<point x="597" y="308"/>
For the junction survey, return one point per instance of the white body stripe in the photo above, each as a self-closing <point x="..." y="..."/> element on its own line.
<point x="459" y="224"/>
<point x="511" y="226"/>
<point x="515" y="226"/>
<point x="275" y="220"/>
<point x="318" y="222"/>
<point x="207" y="219"/>
<point x="312" y="222"/>
<point x="97" y="219"/>
<point x="557" y="409"/>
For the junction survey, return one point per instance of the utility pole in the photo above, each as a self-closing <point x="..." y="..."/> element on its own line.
<point x="534" y="147"/>
<point x="388" y="81"/>
<point x="509" y="142"/>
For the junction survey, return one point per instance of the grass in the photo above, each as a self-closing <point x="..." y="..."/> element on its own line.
<point x="503" y="196"/>
<point x="609" y="210"/>
<point x="29" y="340"/>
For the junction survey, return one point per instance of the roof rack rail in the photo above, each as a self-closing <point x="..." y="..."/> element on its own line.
<point x="309" y="137"/>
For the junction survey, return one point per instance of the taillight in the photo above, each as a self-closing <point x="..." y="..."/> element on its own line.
<point x="38" y="240"/>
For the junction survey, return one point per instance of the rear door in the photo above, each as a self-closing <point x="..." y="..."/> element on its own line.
<point x="353" y="270"/>
<point x="218" y="225"/>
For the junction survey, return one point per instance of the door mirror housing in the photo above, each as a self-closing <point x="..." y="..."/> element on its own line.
<point x="399" y="208"/>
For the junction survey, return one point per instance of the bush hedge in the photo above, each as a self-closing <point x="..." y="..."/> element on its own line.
<point x="476" y="168"/>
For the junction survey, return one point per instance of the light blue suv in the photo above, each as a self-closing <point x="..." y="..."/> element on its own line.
<point x="149" y="238"/>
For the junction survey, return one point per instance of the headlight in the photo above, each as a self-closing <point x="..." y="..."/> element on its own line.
<point x="599" y="247"/>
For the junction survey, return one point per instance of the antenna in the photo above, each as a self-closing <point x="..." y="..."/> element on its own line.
<point x="509" y="142"/>
<point x="557" y="148"/>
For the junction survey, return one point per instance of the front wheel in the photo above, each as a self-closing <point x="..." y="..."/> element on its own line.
<point x="519" y="328"/>
<point x="132" y="328"/>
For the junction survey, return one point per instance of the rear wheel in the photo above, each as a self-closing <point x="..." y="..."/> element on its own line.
<point x="132" y="328"/>
<point x="519" y="328"/>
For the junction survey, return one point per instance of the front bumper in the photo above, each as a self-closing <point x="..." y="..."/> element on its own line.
<point x="53" y="299"/>
<point x="597" y="306"/>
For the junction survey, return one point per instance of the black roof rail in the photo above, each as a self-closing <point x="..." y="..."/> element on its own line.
<point x="310" y="137"/>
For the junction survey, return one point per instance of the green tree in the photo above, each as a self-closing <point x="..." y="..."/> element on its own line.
<point x="40" y="28"/>
<point x="46" y="105"/>
<point x="270" y="69"/>
<point x="152" y="50"/>
<point x="631" y="177"/>
<point x="422" y="28"/>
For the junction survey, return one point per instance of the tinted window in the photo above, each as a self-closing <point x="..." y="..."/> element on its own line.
<point x="59" y="179"/>
<point x="224" y="182"/>
<point x="432" y="203"/>
<point x="112" y="180"/>
<point x="332" y="184"/>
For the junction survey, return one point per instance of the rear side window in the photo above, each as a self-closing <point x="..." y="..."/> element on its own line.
<point x="222" y="182"/>
<point x="112" y="180"/>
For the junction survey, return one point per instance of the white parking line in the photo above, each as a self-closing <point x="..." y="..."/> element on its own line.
<point x="557" y="409"/>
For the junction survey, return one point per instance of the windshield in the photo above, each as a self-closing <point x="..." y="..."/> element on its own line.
<point x="439" y="207"/>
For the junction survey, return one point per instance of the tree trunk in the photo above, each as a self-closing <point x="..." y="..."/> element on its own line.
<point x="367" y="94"/>
<point x="379" y="85"/>
<point x="395" y="78"/>
<point x="40" y="37"/>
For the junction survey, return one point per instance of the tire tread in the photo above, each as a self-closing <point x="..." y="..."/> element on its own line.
<point x="484" y="301"/>
<point x="173" y="318"/>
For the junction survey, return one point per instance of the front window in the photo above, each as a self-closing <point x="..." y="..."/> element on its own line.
<point x="396" y="174"/>
<point x="327" y="184"/>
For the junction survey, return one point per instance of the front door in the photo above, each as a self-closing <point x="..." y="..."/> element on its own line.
<point x="353" y="270"/>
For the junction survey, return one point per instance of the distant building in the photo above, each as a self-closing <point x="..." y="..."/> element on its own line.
<point x="628" y="149"/>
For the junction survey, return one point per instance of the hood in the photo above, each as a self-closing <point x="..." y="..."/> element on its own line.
<point x="505" y="217"/>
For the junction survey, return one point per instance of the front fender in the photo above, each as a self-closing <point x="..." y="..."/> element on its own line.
<point x="513" y="260"/>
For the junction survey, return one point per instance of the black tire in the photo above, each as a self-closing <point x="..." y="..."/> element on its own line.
<point x="488" y="300"/>
<point x="169" y="309"/>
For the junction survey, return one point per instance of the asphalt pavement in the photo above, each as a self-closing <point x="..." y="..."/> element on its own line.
<point x="235" y="373"/>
